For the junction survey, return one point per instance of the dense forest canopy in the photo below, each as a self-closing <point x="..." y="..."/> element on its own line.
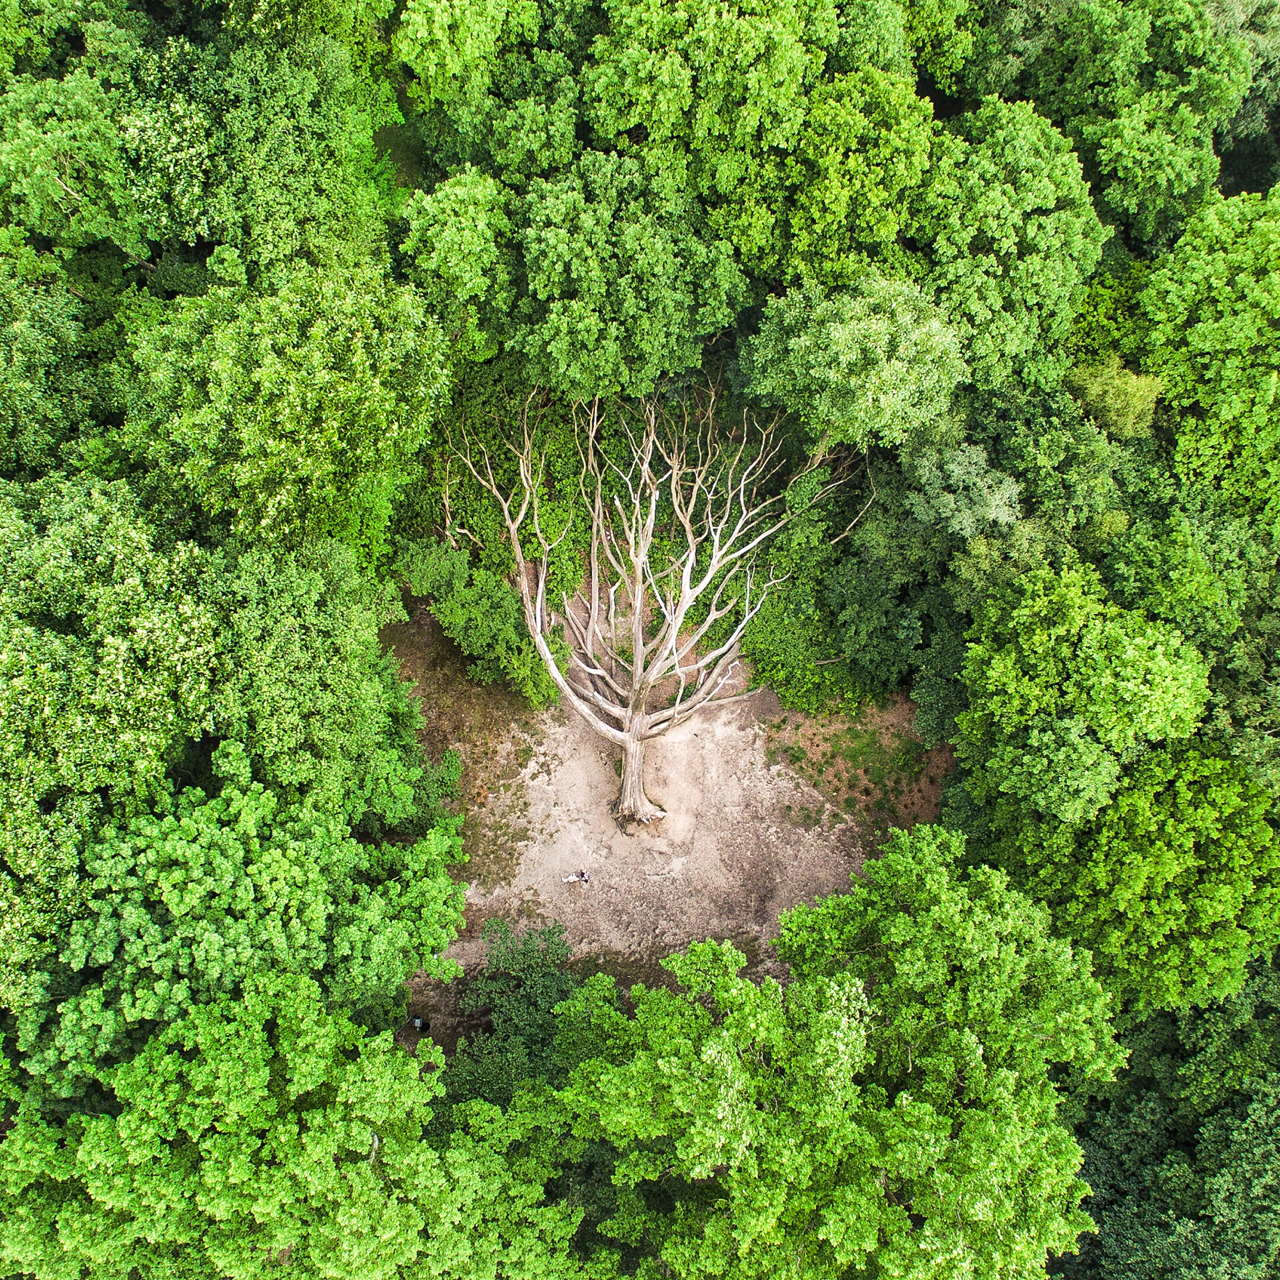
<point x="296" y="295"/>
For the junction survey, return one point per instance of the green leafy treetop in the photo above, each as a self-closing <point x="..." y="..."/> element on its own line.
<point x="265" y="1132"/>
<point x="599" y="276"/>
<point x="1140" y="88"/>
<point x="258" y="147"/>
<point x="1181" y="1151"/>
<point x="308" y="690"/>
<point x="1213" y="305"/>
<point x="1175" y="885"/>
<point x="458" y="254"/>
<point x="294" y="413"/>
<point x="1065" y="688"/>
<point x="889" y="1109"/>
<point x="451" y="46"/>
<point x="875" y="365"/>
<point x="865" y="148"/>
<point x="1008" y="238"/>
<point x="1157" y="854"/>
<point x="189" y="906"/>
<point x="127" y="658"/>
<point x="621" y="285"/>
<point x="46" y="389"/>
<point x="108" y="645"/>
<point x="716" y="95"/>
<point x="62" y="162"/>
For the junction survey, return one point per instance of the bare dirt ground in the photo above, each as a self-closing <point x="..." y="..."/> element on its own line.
<point x="765" y="809"/>
<point x="871" y="766"/>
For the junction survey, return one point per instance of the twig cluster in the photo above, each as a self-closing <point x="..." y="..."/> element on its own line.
<point x="719" y="505"/>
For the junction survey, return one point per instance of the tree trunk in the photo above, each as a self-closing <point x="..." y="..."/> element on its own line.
<point x="632" y="801"/>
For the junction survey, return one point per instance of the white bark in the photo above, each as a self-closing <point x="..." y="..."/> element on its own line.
<point x="653" y="637"/>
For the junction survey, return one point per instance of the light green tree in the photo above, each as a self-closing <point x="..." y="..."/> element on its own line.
<point x="890" y="1109"/>
<point x="62" y="163"/>
<point x="1212" y="306"/>
<point x="863" y="151"/>
<point x="1065" y="688"/>
<point x="941" y="35"/>
<point x="297" y="413"/>
<point x="265" y="1132"/>
<point x="186" y="907"/>
<point x="1175" y="885"/>
<point x="452" y="48"/>
<point x="500" y="85"/>
<point x="599" y="280"/>
<point x="717" y="96"/>
<point x="110" y="643"/>
<point x="122" y="652"/>
<point x="877" y="364"/>
<point x="459" y="242"/>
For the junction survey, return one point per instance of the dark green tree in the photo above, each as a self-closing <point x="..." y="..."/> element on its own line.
<point x="1181" y="1153"/>
<point x="621" y="281"/>
<point x="1008" y="238"/>
<point x="1140" y="88"/>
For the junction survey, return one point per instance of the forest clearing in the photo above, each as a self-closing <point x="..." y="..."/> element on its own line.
<point x="747" y="834"/>
<point x="639" y="640"/>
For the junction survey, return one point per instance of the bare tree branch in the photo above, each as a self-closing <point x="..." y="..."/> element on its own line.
<point x="672" y="576"/>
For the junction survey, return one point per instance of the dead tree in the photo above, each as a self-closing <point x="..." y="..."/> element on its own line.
<point x="673" y="573"/>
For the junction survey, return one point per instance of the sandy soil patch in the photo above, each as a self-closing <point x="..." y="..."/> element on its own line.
<point x="726" y="859"/>
<point x="758" y="819"/>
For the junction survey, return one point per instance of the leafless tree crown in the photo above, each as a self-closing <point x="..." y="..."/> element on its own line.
<point x="673" y="574"/>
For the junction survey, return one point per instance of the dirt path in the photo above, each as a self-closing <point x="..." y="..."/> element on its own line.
<point x="746" y="834"/>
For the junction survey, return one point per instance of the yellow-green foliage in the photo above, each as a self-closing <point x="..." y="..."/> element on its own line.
<point x="1174" y="886"/>
<point x="1121" y="402"/>
<point x="1066" y="688"/>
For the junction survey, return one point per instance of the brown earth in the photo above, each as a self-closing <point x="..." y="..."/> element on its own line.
<point x="765" y="809"/>
<point x="871" y="766"/>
